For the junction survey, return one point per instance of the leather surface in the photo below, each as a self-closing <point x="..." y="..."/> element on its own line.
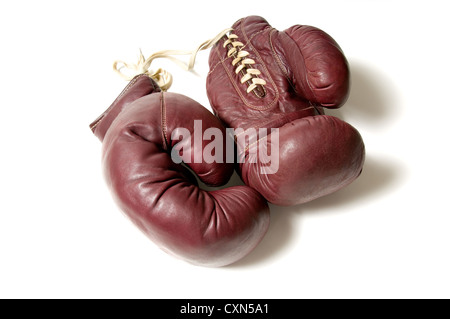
<point x="305" y="70"/>
<point x="161" y="197"/>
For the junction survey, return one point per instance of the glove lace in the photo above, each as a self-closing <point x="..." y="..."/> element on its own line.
<point x="249" y="74"/>
<point x="164" y="79"/>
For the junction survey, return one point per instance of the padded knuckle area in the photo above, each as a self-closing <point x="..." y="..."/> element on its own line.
<point x="326" y="69"/>
<point x="162" y="197"/>
<point x="318" y="155"/>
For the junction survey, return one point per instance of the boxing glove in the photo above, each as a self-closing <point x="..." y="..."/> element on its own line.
<point x="142" y="131"/>
<point x="281" y="81"/>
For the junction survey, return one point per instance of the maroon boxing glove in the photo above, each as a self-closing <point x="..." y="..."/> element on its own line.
<point x="140" y="131"/>
<point x="263" y="78"/>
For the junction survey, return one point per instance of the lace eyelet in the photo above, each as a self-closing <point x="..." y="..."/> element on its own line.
<point x="243" y="65"/>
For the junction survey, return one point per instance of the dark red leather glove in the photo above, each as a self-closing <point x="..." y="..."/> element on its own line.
<point x="161" y="197"/>
<point x="263" y="78"/>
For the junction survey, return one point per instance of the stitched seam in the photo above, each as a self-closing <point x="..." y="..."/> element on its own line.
<point x="130" y="84"/>
<point x="250" y="145"/>
<point x="255" y="34"/>
<point x="277" y="58"/>
<point x="214" y="67"/>
<point x="163" y="122"/>
<point x="96" y="123"/>
<point x="306" y="77"/>
<point x="218" y="63"/>
<point x="268" y="121"/>
<point x="254" y="127"/>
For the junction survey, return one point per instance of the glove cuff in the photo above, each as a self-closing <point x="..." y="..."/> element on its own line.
<point x="138" y="87"/>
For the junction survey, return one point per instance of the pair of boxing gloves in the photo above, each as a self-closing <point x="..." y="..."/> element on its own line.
<point x="270" y="88"/>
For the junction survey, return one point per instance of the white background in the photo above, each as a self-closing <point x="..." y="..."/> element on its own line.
<point x="385" y="236"/>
